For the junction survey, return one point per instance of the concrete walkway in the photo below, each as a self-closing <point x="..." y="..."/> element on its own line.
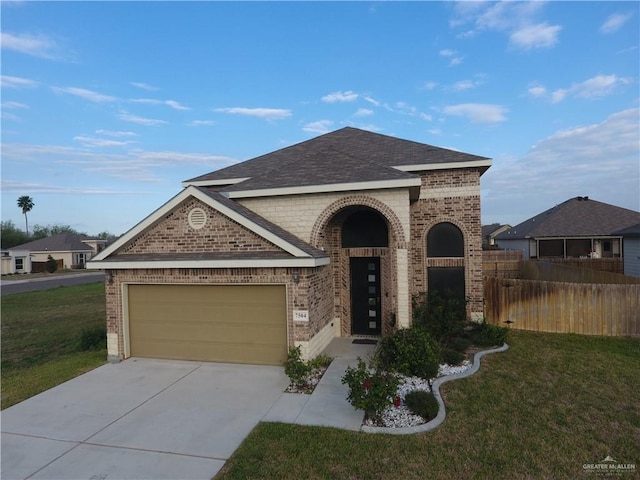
<point x="328" y="405"/>
<point x="163" y="419"/>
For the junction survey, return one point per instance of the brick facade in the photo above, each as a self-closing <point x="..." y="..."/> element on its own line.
<point x="446" y="196"/>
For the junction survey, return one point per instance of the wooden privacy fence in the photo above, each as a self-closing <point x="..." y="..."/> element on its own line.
<point x="39" y="267"/>
<point x="559" y="307"/>
<point x="501" y="263"/>
<point x="555" y="272"/>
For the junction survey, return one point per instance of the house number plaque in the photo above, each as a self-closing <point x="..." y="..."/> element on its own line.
<point x="301" y="315"/>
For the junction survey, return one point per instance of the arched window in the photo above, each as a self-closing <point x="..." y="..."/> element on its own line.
<point x="365" y="228"/>
<point x="445" y="240"/>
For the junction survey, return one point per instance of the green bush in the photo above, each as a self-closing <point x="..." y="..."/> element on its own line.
<point x="52" y="264"/>
<point x="371" y="389"/>
<point x="297" y="369"/>
<point x="93" y="338"/>
<point x="452" y="357"/>
<point x="486" y="335"/>
<point x="410" y="351"/>
<point x="422" y="403"/>
<point x="443" y="316"/>
<point x="459" y="344"/>
<point x="321" y="361"/>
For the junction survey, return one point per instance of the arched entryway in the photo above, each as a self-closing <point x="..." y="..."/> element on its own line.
<point x="362" y="241"/>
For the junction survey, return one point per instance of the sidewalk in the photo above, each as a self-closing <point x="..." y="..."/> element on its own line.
<point x="327" y="406"/>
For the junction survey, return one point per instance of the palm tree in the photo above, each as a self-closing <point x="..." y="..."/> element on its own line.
<point x="25" y="202"/>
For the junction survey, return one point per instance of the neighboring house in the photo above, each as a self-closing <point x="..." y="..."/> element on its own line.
<point x="330" y="237"/>
<point x="490" y="232"/>
<point x="631" y="247"/>
<point x="74" y="250"/>
<point x="15" y="261"/>
<point x="577" y="228"/>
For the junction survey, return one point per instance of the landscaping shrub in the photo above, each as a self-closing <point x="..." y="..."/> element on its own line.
<point x="371" y="389"/>
<point x="422" y="403"/>
<point x="410" y="351"/>
<point x="459" y="344"/>
<point x="93" y="338"/>
<point x="52" y="264"/>
<point x="486" y="335"/>
<point x="297" y="369"/>
<point x="452" y="356"/>
<point x="443" y="316"/>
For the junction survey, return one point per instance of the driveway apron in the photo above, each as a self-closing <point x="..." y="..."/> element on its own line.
<point x="139" y="419"/>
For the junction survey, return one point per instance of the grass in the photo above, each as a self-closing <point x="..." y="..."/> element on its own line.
<point x="541" y="410"/>
<point x="41" y="338"/>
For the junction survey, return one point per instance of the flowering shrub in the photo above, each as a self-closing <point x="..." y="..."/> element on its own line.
<point x="370" y="389"/>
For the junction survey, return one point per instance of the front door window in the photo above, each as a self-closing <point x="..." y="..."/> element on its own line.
<point x="366" y="308"/>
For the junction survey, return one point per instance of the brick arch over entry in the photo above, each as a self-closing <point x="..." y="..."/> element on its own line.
<point x="359" y="201"/>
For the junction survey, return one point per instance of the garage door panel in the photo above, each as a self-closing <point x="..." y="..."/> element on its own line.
<point x="225" y="323"/>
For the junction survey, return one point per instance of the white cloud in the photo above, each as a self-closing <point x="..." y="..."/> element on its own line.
<point x="465" y="85"/>
<point x="266" y="113"/>
<point x="447" y="53"/>
<point x="478" y="112"/>
<point x="334" y="97"/>
<point x="456" y="61"/>
<point x="535" y="36"/>
<point x="36" y="45"/>
<point x="614" y="22"/>
<point x="536" y="90"/>
<point x="86" y="94"/>
<point x="151" y="122"/>
<point x="9" y="186"/>
<point x="117" y="134"/>
<point x="202" y="123"/>
<point x="429" y="85"/>
<point x="371" y="100"/>
<point x="100" y="142"/>
<point x="517" y="19"/>
<point x="7" y="81"/>
<point x="595" y="87"/>
<point x="134" y="165"/>
<point x="152" y="101"/>
<point x="406" y="109"/>
<point x="13" y="105"/>
<point x="319" y="127"/>
<point x="363" y="112"/>
<point x="175" y="105"/>
<point x="435" y="131"/>
<point x="145" y="86"/>
<point x="599" y="160"/>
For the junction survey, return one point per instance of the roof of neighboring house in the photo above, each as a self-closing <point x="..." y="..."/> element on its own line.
<point x="632" y="231"/>
<point x="576" y="217"/>
<point x="491" y="229"/>
<point x="62" y="242"/>
<point x="345" y="156"/>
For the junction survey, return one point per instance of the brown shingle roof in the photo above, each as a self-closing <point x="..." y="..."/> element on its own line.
<point x="577" y="217"/>
<point x="345" y="156"/>
<point x="62" y="242"/>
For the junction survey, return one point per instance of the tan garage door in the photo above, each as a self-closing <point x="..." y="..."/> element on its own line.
<point x="217" y="323"/>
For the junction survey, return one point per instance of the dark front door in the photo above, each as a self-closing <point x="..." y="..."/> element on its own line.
<point x="366" y="311"/>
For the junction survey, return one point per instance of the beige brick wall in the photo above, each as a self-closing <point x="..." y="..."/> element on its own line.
<point x="299" y="214"/>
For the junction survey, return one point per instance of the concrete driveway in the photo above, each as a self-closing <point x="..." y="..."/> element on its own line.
<point x="139" y="419"/>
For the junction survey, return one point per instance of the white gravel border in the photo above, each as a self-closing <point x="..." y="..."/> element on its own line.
<point x="435" y="388"/>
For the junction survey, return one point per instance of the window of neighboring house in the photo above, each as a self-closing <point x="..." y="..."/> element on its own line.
<point x="19" y="263"/>
<point x="80" y="258"/>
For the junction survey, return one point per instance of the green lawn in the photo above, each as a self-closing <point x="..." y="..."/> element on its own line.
<point x="538" y="411"/>
<point x="40" y="338"/>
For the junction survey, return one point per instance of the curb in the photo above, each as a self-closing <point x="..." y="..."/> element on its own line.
<point x="435" y="388"/>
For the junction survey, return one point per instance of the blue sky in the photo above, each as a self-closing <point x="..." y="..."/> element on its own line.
<point x="108" y="106"/>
